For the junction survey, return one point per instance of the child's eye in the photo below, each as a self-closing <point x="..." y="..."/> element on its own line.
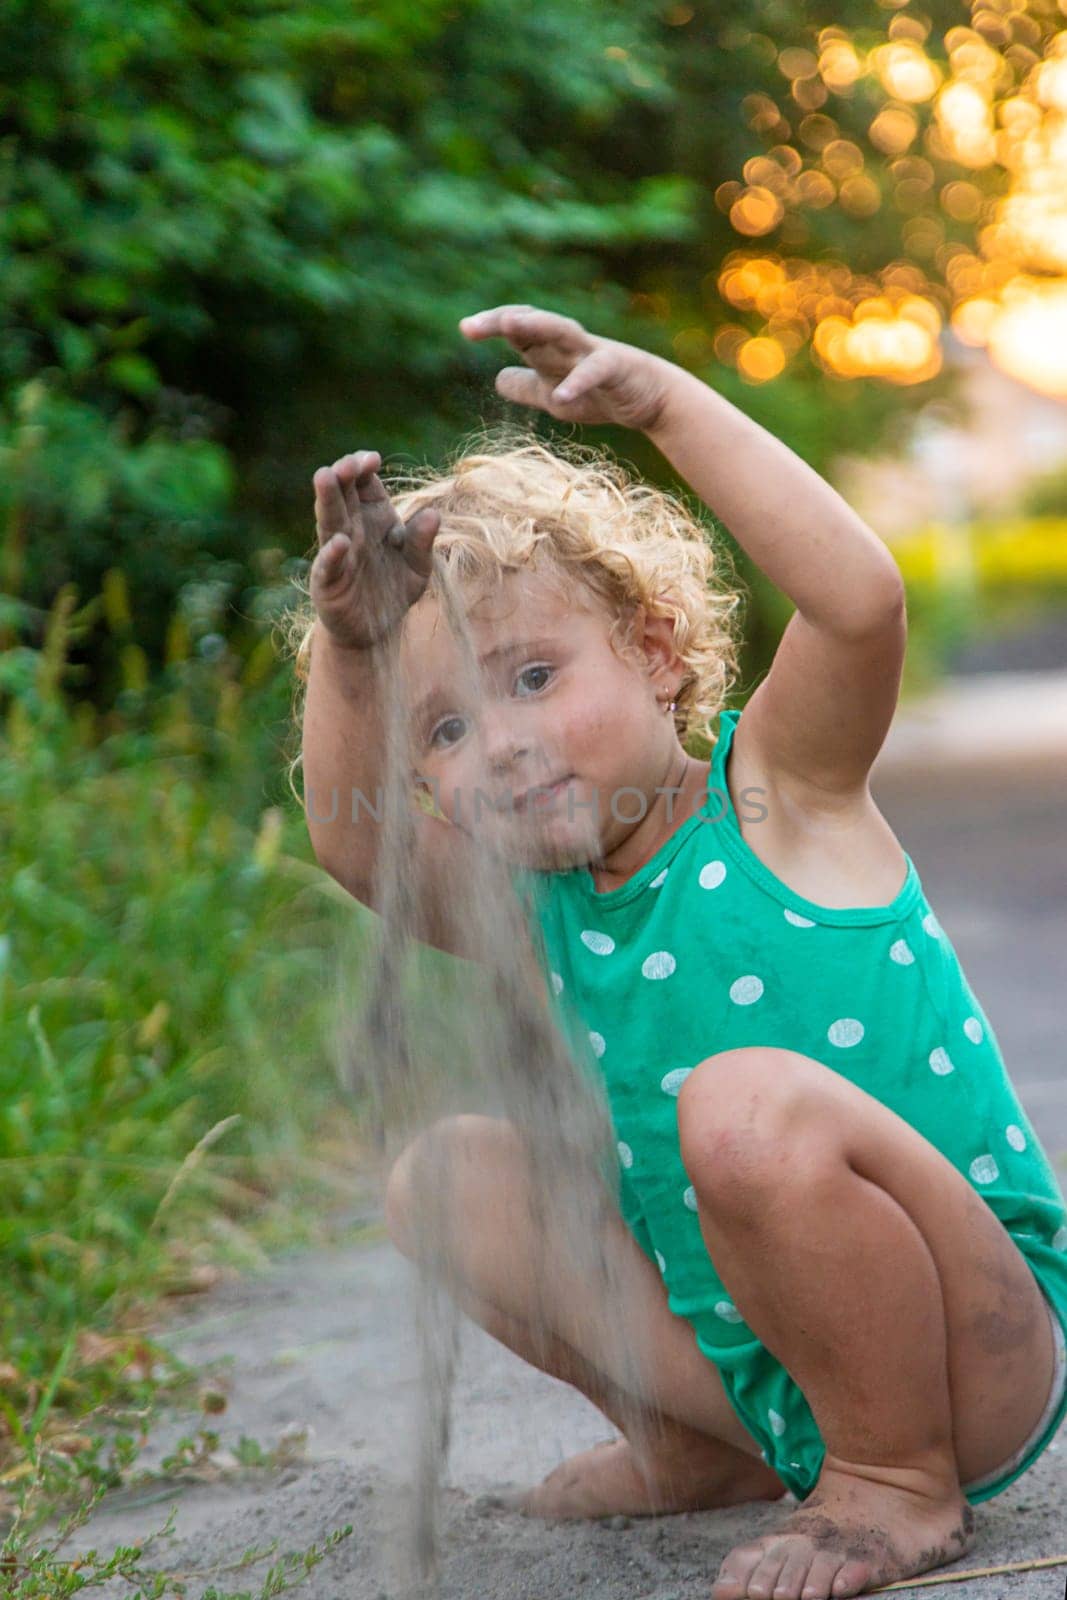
<point x="447" y="722"/>
<point x="541" y="667"/>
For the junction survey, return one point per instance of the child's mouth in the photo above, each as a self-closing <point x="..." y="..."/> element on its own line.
<point x="541" y="795"/>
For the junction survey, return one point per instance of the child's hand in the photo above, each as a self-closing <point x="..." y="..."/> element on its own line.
<point x="576" y="376"/>
<point x="370" y="567"/>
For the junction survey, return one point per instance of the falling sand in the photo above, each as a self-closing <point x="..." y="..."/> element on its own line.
<point x="485" y="1039"/>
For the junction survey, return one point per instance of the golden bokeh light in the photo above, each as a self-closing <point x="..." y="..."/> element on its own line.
<point x="815" y="189"/>
<point x="895" y="348"/>
<point x="965" y="123"/>
<point x="756" y="211"/>
<point x="1028" y="336"/>
<point x="906" y="72"/>
<point x="962" y="201"/>
<point x="860" y="196"/>
<point x="759" y="360"/>
<point x="817" y="130"/>
<point x="841" y="157"/>
<point x="839" y="64"/>
<point x="858" y="327"/>
<point x="797" y="63"/>
<point x="956" y="140"/>
<point x="972" y="320"/>
<point x="1051" y="84"/>
<point x="893" y="130"/>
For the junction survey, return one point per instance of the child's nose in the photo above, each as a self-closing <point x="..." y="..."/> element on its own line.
<point x="505" y="743"/>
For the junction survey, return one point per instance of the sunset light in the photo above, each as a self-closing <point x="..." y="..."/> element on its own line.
<point x="965" y="143"/>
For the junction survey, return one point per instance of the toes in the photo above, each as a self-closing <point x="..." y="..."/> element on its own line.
<point x="853" y="1578"/>
<point x="818" y="1584"/>
<point x="793" y="1575"/>
<point x="762" y="1584"/>
<point x="732" y="1580"/>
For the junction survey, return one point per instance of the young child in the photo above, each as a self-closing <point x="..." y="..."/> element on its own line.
<point x="848" y="1243"/>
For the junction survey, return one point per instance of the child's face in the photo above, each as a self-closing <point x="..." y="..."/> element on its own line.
<point x="558" y="704"/>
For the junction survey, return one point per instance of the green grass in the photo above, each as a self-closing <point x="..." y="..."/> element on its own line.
<point x="166" y="971"/>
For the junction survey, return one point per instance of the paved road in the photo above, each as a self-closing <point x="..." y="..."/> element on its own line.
<point x="991" y="849"/>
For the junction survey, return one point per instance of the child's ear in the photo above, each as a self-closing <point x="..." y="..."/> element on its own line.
<point x="656" y="639"/>
<point x="424" y="799"/>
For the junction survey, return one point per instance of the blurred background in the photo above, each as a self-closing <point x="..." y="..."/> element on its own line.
<point x="235" y="242"/>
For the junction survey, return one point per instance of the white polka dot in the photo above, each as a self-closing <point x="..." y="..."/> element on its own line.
<point x="1059" y="1239"/>
<point x="931" y="925"/>
<point x="777" y="1422"/>
<point x="845" y="1031"/>
<point x="626" y="1155"/>
<point x="941" y="1062"/>
<point x="983" y="1169"/>
<point x="974" y="1030"/>
<point x="1015" y="1136"/>
<point x="658" y="882"/>
<point x="690" y="1198"/>
<point x="660" y="1262"/>
<point x="660" y="964"/>
<point x="601" y="944"/>
<point x="712" y="875"/>
<point x="747" y="990"/>
<point x="597" y="1042"/>
<point x="901" y="953"/>
<point x="672" y="1083"/>
<point x="557" y="982"/>
<point x="727" y="1311"/>
<point x="796" y="919"/>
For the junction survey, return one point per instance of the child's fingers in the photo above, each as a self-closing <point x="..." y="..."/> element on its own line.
<point x="420" y="534"/>
<point x="486" y="324"/>
<point x="327" y="575"/>
<point x="331" y="510"/>
<point x="526" y="327"/>
<point x="331" y="556"/>
<point x="524" y="387"/>
<point x="357" y="464"/>
<point x="360" y="472"/>
<point x="593" y="370"/>
<point x="358" y="476"/>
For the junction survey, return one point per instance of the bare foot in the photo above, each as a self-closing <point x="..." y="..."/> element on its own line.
<point x="853" y="1533"/>
<point x="689" y="1472"/>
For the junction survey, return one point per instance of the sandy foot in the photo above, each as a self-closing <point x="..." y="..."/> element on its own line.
<point x="695" y="1474"/>
<point x="850" y="1535"/>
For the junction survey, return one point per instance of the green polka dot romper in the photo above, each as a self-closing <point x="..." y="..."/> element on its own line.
<point x="704" y="950"/>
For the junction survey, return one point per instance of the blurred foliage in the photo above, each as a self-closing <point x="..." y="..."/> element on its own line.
<point x="1047" y="495"/>
<point x="236" y="240"/>
<point x="1016" y="552"/>
<point x="165" y="992"/>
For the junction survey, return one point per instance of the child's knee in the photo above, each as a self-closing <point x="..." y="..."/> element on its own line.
<point x="437" y="1166"/>
<point x="744" y="1124"/>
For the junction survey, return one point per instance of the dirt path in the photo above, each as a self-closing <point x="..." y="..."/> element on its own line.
<point x="326" y="1340"/>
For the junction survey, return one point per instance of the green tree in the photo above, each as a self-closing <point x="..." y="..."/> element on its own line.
<point x="236" y="238"/>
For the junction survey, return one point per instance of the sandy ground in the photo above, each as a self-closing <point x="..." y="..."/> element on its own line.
<point x="326" y="1340"/>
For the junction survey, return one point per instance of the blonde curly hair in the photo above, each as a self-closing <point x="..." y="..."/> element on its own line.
<point x="508" y="501"/>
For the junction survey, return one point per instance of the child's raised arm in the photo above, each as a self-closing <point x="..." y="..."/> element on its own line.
<point x="369" y="569"/>
<point x="821" y="715"/>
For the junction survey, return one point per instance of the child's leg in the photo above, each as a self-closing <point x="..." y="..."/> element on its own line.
<point x="867" y="1264"/>
<point x="526" y="1288"/>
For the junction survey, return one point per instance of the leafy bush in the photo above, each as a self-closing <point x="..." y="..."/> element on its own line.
<point x="164" y="986"/>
